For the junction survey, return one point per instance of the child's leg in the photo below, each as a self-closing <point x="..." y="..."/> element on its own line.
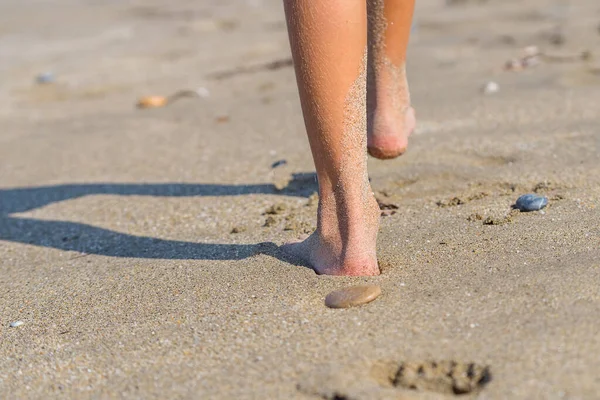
<point x="329" y="43"/>
<point x="391" y="118"/>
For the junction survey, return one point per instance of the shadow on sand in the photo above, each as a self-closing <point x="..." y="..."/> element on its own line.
<point x="88" y="239"/>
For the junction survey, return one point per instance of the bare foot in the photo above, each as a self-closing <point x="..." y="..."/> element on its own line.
<point x="345" y="246"/>
<point x="391" y="119"/>
<point x="388" y="134"/>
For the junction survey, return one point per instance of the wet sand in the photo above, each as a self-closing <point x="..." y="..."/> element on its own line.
<point x="136" y="246"/>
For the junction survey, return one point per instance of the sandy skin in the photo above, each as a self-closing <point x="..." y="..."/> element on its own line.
<point x="391" y="118"/>
<point x="353" y="101"/>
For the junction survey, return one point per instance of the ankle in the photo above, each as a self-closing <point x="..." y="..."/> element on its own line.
<point x="348" y="216"/>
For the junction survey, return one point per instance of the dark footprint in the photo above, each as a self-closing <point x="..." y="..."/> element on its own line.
<point x="389" y="379"/>
<point x="447" y="377"/>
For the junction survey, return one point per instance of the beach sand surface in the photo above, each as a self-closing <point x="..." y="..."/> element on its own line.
<point x="140" y="247"/>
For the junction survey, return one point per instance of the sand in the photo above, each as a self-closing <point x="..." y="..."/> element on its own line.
<point x="116" y="248"/>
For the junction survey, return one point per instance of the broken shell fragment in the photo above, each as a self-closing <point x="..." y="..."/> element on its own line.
<point x="490" y="88"/>
<point x="152" y="102"/>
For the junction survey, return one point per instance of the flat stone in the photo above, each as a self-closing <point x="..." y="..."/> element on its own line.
<point x="531" y="202"/>
<point x="352" y="296"/>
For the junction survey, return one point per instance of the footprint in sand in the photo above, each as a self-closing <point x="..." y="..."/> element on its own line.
<point x="385" y="379"/>
<point x="447" y="377"/>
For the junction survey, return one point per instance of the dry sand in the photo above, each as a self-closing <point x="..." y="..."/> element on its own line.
<point x="116" y="248"/>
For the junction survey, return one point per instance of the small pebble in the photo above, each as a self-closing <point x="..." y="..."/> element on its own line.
<point x="531" y="51"/>
<point x="491" y="88"/>
<point x="278" y="163"/>
<point x="203" y="92"/>
<point x="152" y="102"/>
<point x="531" y="202"/>
<point x="352" y="296"/>
<point x="16" y="324"/>
<point x="46" y="77"/>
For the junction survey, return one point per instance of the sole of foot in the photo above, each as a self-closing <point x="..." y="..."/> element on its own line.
<point x="388" y="141"/>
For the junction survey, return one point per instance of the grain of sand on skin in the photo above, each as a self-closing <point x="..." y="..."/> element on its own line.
<point x="229" y="320"/>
